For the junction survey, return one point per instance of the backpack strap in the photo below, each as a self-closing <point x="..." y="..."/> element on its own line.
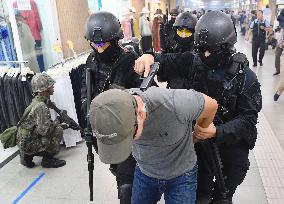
<point x="27" y="112"/>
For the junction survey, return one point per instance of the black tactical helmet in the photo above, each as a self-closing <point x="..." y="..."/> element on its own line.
<point x="186" y="20"/>
<point x="215" y="29"/>
<point x="103" y="27"/>
<point x="174" y="12"/>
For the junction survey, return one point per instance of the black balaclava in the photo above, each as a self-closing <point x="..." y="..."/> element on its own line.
<point x="217" y="59"/>
<point x="184" y="41"/>
<point x="111" y="54"/>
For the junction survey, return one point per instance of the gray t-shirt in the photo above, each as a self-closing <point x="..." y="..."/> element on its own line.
<point x="165" y="149"/>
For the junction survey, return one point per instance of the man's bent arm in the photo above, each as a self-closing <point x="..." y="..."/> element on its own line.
<point x="207" y="115"/>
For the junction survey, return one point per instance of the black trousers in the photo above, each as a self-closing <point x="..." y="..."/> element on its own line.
<point x="258" y="45"/>
<point x="208" y="191"/>
<point x="125" y="171"/>
<point x="124" y="177"/>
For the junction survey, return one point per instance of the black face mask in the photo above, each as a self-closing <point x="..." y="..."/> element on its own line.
<point x="184" y="41"/>
<point x="111" y="54"/>
<point x="216" y="59"/>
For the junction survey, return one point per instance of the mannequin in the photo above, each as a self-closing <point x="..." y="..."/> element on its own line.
<point x="145" y="31"/>
<point x="126" y="26"/>
<point x="134" y="23"/>
<point x="32" y="19"/>
<point x="27" y="43"/>
<point x="157" y="23"/>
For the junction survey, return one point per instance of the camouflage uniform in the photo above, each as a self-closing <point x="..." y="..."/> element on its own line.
<point x="38" y="133"/>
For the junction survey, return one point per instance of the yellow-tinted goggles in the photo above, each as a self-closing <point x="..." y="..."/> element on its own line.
<point x="184" y="33"/>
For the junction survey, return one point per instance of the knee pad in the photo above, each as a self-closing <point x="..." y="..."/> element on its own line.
<point x="124" y="193"/>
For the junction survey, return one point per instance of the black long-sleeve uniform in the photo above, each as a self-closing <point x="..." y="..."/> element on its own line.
<point x="236" y="133"/>
<point x="115" y="73"/>
<point x="106" y="75"/>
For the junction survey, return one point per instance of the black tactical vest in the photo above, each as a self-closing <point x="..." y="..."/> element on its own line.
<point x="258" y="34"/>
<point x="103" y="74"/>
<point x="224" y="85"/>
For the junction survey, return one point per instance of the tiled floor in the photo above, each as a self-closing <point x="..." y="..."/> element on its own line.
<point x="263" y="183"/>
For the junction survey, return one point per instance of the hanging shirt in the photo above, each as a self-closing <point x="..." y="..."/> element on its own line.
<point x="64" y="99"/>
<point x="156" y="33"/>
<point x="6" y="48"/>
<point x="144" y="26"/>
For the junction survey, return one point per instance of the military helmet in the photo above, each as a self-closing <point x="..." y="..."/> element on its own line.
<point x="103" y="27"/>
<point x="215" y="29"/>
<point x="174" y="12"/>
<point x="41" y="82"/>
<point x="185" y="20"/>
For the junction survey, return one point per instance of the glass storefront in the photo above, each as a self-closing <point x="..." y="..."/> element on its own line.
<point x="7" y="48"/>
<point x="43" y="32"/>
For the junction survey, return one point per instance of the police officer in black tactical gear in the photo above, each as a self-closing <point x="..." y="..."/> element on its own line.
<point x="185" y="28"/>
<point x="221" y="73"/>
<point x="258" y="28"/>
<point x="112" y="67"/>
<point x="183" y="40"/>
<point x="181" y="37"/>
<point x="167" y="32"/>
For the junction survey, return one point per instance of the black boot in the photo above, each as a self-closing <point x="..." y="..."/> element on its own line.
<point x="50" y="162"/>
<point x="27" y="160"/>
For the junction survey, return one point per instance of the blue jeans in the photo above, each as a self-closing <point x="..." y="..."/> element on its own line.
<point x="179" y="190"/>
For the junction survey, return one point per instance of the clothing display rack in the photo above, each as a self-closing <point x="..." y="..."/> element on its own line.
<point x="70" y="59"/>
<point x="68" y="74"/>
<point x="15" y="91"/>
<point x="14" y="62"/>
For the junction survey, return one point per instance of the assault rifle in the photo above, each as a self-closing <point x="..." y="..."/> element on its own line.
<point x="90" y="140"/>
<point x="64" y="117"/>
<point x="220" y="179"/>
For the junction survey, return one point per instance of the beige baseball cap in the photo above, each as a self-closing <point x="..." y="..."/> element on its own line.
<point x="113" y="121"/>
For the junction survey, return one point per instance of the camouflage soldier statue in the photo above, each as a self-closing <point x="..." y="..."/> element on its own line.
<point x="38" y="134"/>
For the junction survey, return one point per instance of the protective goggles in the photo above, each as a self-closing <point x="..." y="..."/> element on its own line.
<point x="184" y="33"/>
<point x="101" y="44"/>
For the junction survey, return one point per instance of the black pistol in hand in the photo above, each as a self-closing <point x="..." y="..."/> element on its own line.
<point x="147" y="82"/>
